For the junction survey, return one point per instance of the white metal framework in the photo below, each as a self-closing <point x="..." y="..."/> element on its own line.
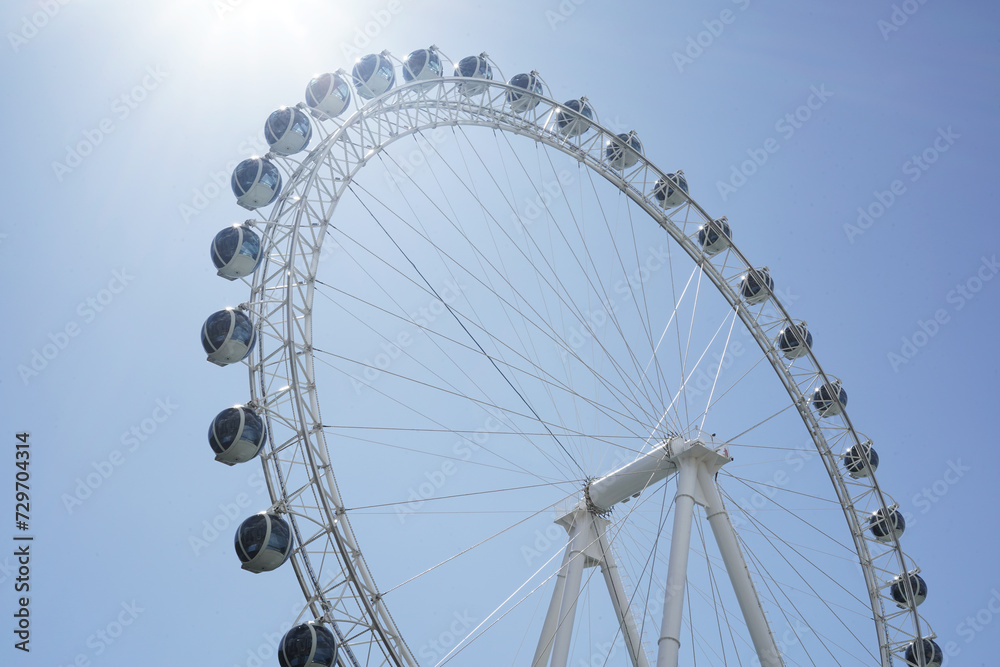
<point x="305" y="479"/>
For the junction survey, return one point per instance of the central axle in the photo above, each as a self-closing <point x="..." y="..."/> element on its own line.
<point x="633" y="478"/>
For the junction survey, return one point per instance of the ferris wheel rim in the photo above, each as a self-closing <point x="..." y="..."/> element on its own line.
<point x="519" y="124"/>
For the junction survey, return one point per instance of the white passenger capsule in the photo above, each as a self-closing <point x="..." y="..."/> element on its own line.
<point x="236" y="252"/>
<point x="228" y="336"/>
<point x="829" y="399"/>
<point x="287" y="131"/>
<point x="714" y="237"/>
<point x="256" y="182"/>
<point x="373" y="75"/>
<point x="571" y="125"/>
<point x="473" y="67"/>
<point x="794" y="340"/>
<point x="756" y="286"/>
<point x="860" y="460"/>
<point x="670" y="191"/>
<point x="236" y="435"/>
<point x="929" y="651"/>
<point x="263" y="542"/>
<point x="623" y="151"/>
<point x="422" y="65"/>
<point x="522" y="102"/>
<point x="308" y="645"/>
<point x="886" y="525"/>
<point x="900" y="595"/>
<point x="328" y="95"/>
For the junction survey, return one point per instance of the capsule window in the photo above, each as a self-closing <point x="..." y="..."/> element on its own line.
<point x="317" y="89"/>
<point x="280" y="536"/>
<point x="339" y="88"/>
<point x="469" y="66"/>
<point x="270" y="178"/>
<point x="277" y="124"/>
<point x="325" y="653"/>
<point x="226" y="243"/>
<point x="243" y="330"/>
<point x="252" y="429"/>
<point x="250" y="245"/>
<point x="250" y="537"/>
<point x="416" y="62"/>
<point x="246" y="174"/>
<point x="366" y="67"/>
<point x="300" y="123"/>
<point x="308" y="645"/>
<point x="224" y="429"/>
<point x="217" y="329"/>
<point x="527" y="82"/>
<point x="385" y="68"/>
<point x="296" y="647"/>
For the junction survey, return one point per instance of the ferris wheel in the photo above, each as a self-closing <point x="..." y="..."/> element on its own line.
<point x="520" y="400"/>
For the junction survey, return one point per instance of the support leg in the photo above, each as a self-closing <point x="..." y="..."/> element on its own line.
<point x="552" y="615"/>
<point x="580" y="538"/>
<point x="739" y="575"/>
<point x="633" y="641"/>
<point x="668" y="647"/>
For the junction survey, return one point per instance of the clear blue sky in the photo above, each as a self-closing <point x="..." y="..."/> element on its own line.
<point x="873" y="206"/>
